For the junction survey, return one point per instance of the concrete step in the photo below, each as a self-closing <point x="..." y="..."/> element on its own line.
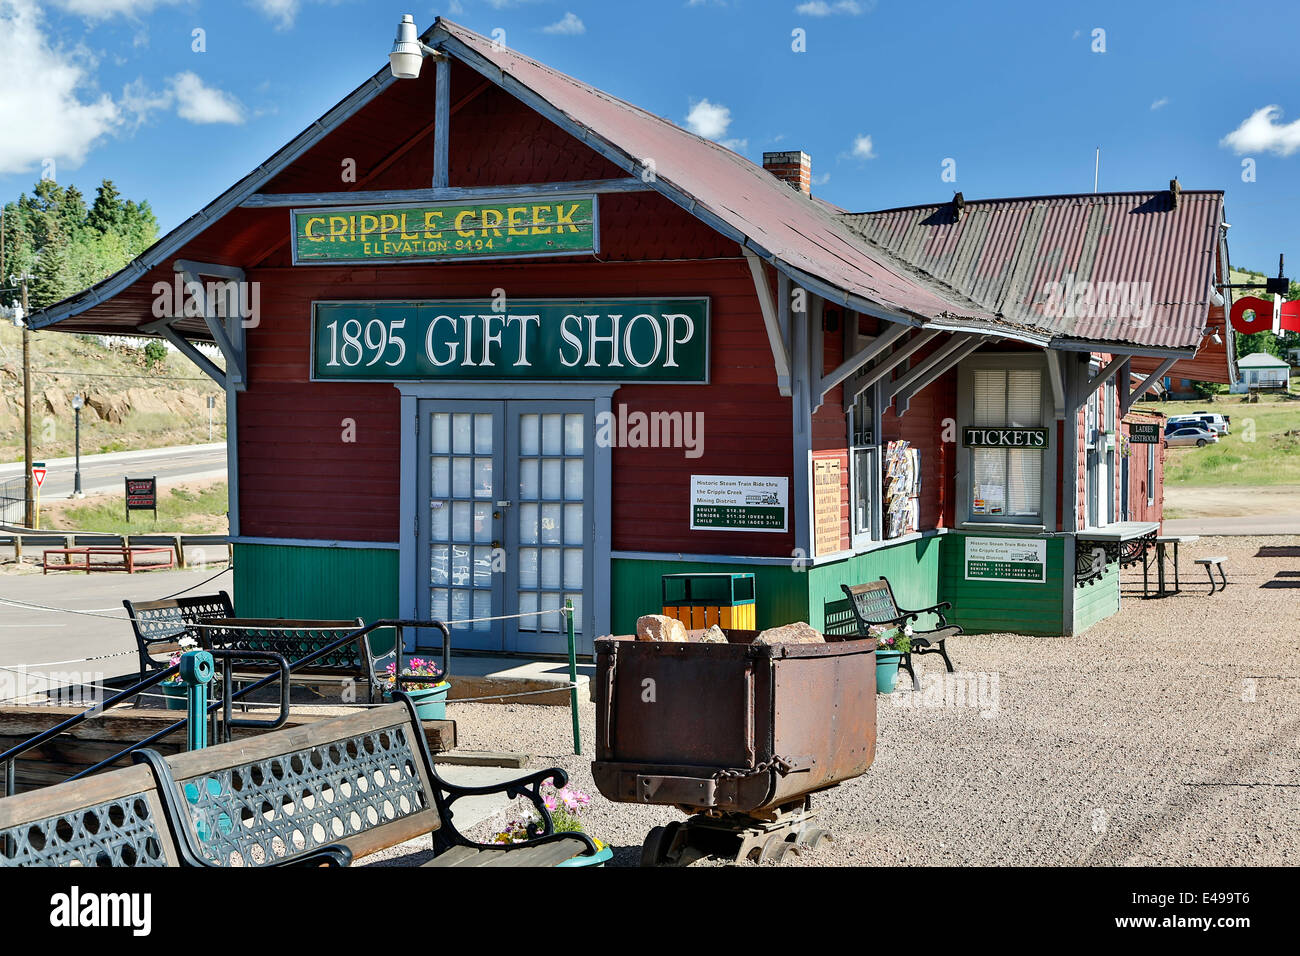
<point x="517" y="680"/>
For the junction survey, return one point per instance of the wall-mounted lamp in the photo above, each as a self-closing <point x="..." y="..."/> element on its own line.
<point x="408" y="52"/>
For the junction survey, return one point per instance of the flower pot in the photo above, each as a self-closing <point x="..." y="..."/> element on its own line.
<point x="431" y="704"/>
<point x="886" y="670"/>
<point x="177" y="696"/>
<point x="603" y="855"/>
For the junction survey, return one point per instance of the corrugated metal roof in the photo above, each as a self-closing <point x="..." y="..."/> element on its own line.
<point x="788" y="226"/>
<point x="1017" y="258"/>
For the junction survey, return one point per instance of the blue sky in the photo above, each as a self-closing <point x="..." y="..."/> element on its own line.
<point x="1017" y="95"/>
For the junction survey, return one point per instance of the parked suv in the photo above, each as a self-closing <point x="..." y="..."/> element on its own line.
<point x="1215" y="422"/>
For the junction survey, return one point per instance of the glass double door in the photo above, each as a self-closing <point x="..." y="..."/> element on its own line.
<point x="505" y="528"/>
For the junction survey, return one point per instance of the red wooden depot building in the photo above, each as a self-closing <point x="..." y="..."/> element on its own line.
<point x="495" y="339"/>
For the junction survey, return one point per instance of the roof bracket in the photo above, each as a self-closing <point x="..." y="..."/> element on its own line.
<point x="1127" y="398"/>
<point x="851" y="365"/>
<point x="183" y="345"/>
<point x="936" y="365"/>
<point x="1100" y="379"/>
<point x="228" y="334"/>
<point x="780" y="354"/>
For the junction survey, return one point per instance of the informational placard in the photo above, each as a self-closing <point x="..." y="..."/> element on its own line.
<point x="978" y="436"/>
<point x="141" y="495"/>
<point x="737" y="503"/>
<point x="1006" y="559"/>
<point x="523" y="227"/>
<point x="1145" y="433"/>
<point x="827" y="473"/>
<point x="521" y="340"/>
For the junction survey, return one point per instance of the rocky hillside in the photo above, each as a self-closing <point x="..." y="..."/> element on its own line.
<point x="131" y="401"/>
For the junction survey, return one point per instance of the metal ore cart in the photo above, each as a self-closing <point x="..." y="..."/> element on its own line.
<point x="737" y="735"/>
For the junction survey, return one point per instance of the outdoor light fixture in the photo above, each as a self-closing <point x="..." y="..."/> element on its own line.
<point x="408" y="52"/>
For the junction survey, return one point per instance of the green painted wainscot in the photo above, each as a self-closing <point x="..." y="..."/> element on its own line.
<point x="318" y="583"/>
<point x="788" y="592"/>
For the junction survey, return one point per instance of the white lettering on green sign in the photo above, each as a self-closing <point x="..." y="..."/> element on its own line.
<point x="651" y="340"/>
<point x="973" y="437"/>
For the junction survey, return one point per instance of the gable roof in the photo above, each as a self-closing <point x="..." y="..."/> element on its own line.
<point x="1261" y="360"/>
<point x="832" y="255"/>
<point x="1006" y="254"/>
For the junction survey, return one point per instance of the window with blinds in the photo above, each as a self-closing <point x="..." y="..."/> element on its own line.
<point x="1007" y="482"/>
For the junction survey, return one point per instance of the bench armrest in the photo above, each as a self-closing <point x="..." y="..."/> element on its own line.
<point x="529" y="786"/>
<point x="937" y="609"/>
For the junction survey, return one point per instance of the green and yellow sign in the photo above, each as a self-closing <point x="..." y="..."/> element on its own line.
<point x="522" y="340"/>
<point x="436" y="232"/>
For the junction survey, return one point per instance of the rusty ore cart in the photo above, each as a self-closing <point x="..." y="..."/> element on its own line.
<point x="737" y="735"/>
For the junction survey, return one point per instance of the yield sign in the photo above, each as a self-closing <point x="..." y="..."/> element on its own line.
<point x="38" y="472"/>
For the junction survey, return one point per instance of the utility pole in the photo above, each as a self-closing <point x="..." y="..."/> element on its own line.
<point x="30" y="517"/>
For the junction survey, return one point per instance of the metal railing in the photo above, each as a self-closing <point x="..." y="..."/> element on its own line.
<point x="221" y="730"/>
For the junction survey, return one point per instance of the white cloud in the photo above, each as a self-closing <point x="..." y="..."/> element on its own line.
<point x="821" y="8"/>
<point x="821" y="180"/>
<point x="1163" y="101"/>
<point x="283" y="12"/>
<point x="709" y="120"/>
<point x="1261" y="133"/>
<point x="104" y="9"/>
<point x="863" y="148"/>
<point x="49" y="108"/>
<point x="200" y="103"/>
<point x="568" y="25"/>
<point x="455" y="8"/>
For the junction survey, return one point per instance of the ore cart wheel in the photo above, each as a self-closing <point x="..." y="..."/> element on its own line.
<point x="775" y="849"/>
<point x="812" y="839"/>
<point x="658" y="842"/>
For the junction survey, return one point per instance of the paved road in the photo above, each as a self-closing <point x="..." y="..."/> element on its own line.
<point x="1235" y="526"/>
<point x="32" y="636"/>
<point x="104" y="473"/>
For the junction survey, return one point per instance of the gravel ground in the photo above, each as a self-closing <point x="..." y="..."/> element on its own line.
<point x="1168" y="734"/>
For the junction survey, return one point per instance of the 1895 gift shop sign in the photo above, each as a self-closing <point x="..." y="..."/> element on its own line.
<point x="436" y="232"/>
<point x="537" y="340"/>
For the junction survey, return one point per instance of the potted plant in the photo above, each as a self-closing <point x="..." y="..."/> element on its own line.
<point x="173" y="690"/>
<point x="565" y="806"/>
<point x="428" y="695"/>
<point x="891" y="644"/>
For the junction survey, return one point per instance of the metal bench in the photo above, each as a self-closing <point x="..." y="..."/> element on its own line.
<point x="364" y="782"/>
<point x="1210" y="564"/>
<point x="159" y="625"/>
<point x="113" y="819"/>
<point x="873" y="604"/>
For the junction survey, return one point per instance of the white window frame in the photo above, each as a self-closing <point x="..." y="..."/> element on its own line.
<point x="862" y="539"/>
<point x="965" y="459"/>
<point x="1151" y="474"/>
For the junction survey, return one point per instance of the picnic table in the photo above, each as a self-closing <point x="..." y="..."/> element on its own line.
<point x="1162" y="544"/>
<point x="127" y="553"/>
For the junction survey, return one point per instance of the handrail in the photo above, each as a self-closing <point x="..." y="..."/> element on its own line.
<point x="9" y="756"/>
<point x="223" y="704"/>
<point x="286" y="671"/>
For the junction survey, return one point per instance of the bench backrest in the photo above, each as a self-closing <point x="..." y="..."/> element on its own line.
<point x="166" y="622"/>
<point x="362" y="780"/>
<point x="111" y="819"/>
<point x="294" y="640"/>
<point x="872" y="603"/>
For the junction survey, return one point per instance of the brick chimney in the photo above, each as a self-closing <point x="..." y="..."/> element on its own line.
<point x="793" y="168"/>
